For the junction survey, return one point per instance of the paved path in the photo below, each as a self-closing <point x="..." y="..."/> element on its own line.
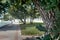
<point x="10" y="32"/>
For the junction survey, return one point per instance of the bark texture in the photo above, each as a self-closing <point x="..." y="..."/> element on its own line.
<point x="47" y="17"/>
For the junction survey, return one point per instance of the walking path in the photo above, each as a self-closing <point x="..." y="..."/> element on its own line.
<point x="10" y="32"/>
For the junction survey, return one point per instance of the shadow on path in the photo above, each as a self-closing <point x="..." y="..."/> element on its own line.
<point x="10" y="27"/>
<point x="32" y="38"/>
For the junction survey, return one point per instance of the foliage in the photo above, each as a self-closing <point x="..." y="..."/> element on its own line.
<point x="52" y="22"/>
<point x="23" y="9"/>
<point x="48" y="37"/>
<point x="4" y="7"/>
<point x="49" y="11"/>
<point x="30" y="29"/>
<point x="48" y="4"/>
<point x="41" y="28"/>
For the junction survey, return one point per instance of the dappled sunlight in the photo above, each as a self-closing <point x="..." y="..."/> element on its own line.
<point x="30" y="17"/>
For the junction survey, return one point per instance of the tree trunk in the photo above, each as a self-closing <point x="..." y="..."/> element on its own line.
<point x="24" y="20"/>
<point x="31" y="20"/>
<point x="48" y="18"/>
<point x="21" y="20"/>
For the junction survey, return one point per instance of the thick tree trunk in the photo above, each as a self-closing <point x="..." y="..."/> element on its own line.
<point x="48" y="18"/>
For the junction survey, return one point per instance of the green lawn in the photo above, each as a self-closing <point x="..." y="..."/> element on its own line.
<point x="30" y="29"/>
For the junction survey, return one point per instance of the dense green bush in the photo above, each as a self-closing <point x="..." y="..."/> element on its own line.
<point x="31" y="31"/>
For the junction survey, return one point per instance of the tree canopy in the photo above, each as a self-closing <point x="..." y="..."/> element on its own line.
<point x="49" y="10"/>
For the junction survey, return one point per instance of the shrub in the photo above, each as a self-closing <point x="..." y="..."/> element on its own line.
<point x="31" y="31"/>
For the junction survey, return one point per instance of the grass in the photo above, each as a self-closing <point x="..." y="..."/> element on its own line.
<point x="30" y="29"/>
